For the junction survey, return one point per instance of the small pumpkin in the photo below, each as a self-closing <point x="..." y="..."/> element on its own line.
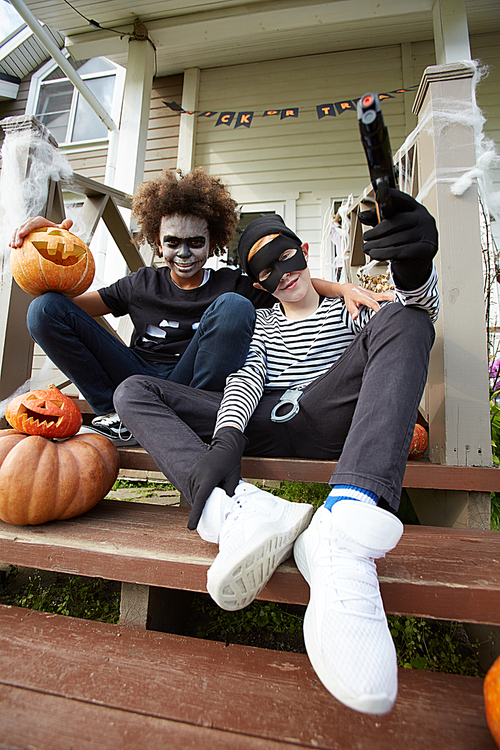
<point x="44" y="412"/>
<point x="52" y="259"/>
<point x="491" y="690"/>
<point x="42" y="480"/>
<point x="419" y="442"/>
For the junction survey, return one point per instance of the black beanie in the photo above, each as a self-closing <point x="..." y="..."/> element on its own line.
<point x="258" y="228"/>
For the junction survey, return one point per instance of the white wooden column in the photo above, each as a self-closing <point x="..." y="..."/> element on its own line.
<point x="135" y="116"/>
<point x="458" y="388"/>
<point x="131" y="150"/>
<point x="187" y="129"/>
<point x="451" y="31"/>
<point x="458" y="395"/>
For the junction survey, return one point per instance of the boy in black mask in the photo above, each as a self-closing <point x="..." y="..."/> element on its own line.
<point x="317" y="385"/>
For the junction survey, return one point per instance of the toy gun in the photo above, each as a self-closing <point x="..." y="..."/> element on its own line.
<point x="375" y="140"/>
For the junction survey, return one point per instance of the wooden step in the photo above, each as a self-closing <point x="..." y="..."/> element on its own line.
<point x="420" y="473"/>
<point x="450" y="574"/>
<point x="66" y="682"/>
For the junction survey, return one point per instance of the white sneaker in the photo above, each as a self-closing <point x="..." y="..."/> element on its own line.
<point x="345" y="628"/>
<point x="255" y="531"/>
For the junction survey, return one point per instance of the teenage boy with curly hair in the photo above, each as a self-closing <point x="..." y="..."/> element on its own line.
<point x="192" y="325"/>
<point x="315" y="384"/>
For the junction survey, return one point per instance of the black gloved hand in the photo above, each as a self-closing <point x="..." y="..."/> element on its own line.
<point x="220" y="466"/>
<point x="409" y="239"/>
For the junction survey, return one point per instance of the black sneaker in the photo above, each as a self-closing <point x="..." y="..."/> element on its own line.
<point x="111" y="426"/>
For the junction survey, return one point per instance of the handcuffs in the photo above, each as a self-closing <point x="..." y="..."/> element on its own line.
<point x="290" y="398"/>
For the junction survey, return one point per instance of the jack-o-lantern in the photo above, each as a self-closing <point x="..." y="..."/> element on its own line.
<point x="48" y="412"/>
<point x="419" y="442"/>
<point x="491" y="690"/>
<point x="42" y="480"/>
<point x="52" y="259"/>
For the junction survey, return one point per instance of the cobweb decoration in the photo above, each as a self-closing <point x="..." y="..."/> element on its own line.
<point x="335" y="231"/>
<point x="445" y="114"/>
<point x="21" y="196"/>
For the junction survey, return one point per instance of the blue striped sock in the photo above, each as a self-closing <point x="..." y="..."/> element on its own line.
<point x="350" y="492"/>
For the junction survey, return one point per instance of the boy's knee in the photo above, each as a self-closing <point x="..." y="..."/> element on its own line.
<point x="37" y="311"/>
<point x="127" y="392"/>
<point x="46" y="306"/>
<point x="236" y="304"/>
<point x="230" y="313"/>
<point x="407" y="319"/>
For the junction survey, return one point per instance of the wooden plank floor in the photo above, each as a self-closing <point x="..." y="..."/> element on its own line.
<point x="433" y="572"/>
<point x="420" y="473"/>
<point x="66" y="682"/>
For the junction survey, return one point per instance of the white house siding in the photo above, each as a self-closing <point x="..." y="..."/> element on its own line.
<point x="15" y="107"/>
<point x="89" y="162"/>
<point x="304" y="159"/>
<point x="163" y="128"/>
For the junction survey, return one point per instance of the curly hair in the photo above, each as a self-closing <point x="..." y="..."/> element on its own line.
<point x="195" y="193"/>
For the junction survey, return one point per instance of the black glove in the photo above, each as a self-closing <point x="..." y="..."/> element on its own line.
<point x="220" y="466"/>
<point x="409" y="239"/>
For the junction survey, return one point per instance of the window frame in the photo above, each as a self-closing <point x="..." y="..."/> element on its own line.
<point x="38" y="83"/>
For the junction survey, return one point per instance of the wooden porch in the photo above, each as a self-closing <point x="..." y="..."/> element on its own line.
<point x="68" y="682"/>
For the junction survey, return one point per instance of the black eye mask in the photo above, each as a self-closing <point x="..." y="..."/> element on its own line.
<point x="268" y="257"/>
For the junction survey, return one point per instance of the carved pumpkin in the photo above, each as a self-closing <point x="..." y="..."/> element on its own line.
<point x="42" y="480"/>
<point x="52" y="259"/>
<point x="49" y="413"/>
<point x="491" y="690"/>
<point x="419" y="442"/>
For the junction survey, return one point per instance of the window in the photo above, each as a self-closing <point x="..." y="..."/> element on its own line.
<point x="63" y="110"/>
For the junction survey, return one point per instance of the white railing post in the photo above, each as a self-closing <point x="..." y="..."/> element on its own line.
<point x="457" y="394"/>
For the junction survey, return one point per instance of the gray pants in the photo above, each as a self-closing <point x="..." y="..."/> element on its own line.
<point x="362" y="411"/>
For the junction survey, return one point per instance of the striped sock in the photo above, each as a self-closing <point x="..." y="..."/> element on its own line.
<point x="350" y="492"/>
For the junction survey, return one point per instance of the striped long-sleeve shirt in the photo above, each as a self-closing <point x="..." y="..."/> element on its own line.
<point x="287" y="353"/>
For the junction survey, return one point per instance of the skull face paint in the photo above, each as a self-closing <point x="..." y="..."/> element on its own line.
<point x="278" y="257"/>
<point x="184" y="244"/>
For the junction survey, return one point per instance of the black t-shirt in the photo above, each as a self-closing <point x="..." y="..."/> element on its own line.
<point x="165" y="317"/>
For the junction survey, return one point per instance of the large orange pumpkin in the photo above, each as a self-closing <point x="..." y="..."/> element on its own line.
<point x="419" y="442"/>
<point x="42" y="480"/>
<point x="52" y="259"/>
<point x="491" y="690"/>
<point x="45" y="412"/>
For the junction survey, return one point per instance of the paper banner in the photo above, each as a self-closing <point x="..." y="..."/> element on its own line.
<point x="244" y="118"/>
<point x="225" y="118"/>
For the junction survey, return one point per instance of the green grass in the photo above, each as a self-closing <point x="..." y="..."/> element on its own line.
<point x="314" y="493"/>
<point x="259" y="615"/>
<point x="434" y="645"/>
<point x="495" y="512"/>
<point x="73" y="596"/>
<point x="144" y="489"/>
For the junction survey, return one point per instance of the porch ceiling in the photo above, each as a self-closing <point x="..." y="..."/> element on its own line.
<point x="212" y="33"/>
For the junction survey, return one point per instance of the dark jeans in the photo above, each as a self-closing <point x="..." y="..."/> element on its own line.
<point x="362" y="411"/>
<point x="97" y="362"/>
